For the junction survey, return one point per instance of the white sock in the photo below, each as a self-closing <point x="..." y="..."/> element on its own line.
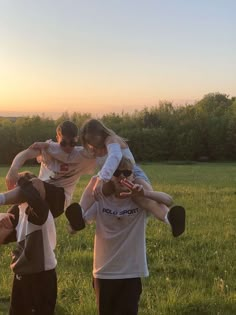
<point x="83" y="212"/>
<point x="166" y="219"/>
<point x="2" y="199"/>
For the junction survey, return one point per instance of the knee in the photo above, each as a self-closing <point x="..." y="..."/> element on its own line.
<point x="39" y="185"/>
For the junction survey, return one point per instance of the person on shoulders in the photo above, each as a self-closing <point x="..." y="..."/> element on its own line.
<point x="119" y="260"/>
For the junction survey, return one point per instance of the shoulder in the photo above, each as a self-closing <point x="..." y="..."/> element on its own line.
<point x="115" y="139"/>
<point x="52" y="145"/>
<point x="55" y="148"/>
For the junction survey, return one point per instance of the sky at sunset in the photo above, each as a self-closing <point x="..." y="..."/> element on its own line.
<point x="113" y="55"/>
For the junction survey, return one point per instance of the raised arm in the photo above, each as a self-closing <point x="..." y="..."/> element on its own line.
<point x="105" y="174"/>
<point x="138" y="190"/>
<point x="87" y="198"/>
<point x="40" y="145"/>
<point x="18" y="162"/>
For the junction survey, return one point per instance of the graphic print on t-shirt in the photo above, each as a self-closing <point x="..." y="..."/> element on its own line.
<point x="128" y="212"/>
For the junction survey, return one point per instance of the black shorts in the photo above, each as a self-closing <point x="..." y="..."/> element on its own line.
<point x="55" y="197"/>
<point x="117" y="296"/>
<point x="34" y="294"/>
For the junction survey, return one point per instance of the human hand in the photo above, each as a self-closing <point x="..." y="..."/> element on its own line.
<point x="5" y="220"/>
<point x="97" y="188"/>
<point x="11" y="179"/>
<point x="134" y="189"/>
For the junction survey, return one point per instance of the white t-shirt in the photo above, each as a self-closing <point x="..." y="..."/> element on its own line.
<point x="36" y="245"/>
<point x="64" y="169"/>
<point x="120" y="243"/>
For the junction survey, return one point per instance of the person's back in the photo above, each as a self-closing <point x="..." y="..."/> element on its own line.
<point x="34" y="287"/>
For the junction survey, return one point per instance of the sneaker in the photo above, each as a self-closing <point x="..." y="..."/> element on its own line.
<point x="176" y="217"/>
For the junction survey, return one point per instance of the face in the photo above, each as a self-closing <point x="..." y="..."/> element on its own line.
<point x="96" y="145"/>
<point x="97" y="151"/>
<point x="119" y="174"/>
<point x="67" y="143"/>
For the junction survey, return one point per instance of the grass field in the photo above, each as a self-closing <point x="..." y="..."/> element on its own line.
<point x="194" y="274"/>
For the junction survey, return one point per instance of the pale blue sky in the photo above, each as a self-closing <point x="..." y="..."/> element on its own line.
<point x="102" y="56"/>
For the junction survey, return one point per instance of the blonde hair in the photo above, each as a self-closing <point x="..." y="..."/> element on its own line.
<point x="94" y="128"/>
<point x="125" y="163"/>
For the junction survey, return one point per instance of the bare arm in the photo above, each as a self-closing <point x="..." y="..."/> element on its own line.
<point x="18" y="162"/>
<point x="87" y="199"/>
<point x="138" y="190"/>
<point x="39" y="145"/>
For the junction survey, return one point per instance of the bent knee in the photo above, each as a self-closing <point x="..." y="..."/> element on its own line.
<point x="39" y="185"/>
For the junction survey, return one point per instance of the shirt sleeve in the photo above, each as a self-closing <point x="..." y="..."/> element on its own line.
<point x="112" y="161"/>
<point x="91" y="214"/>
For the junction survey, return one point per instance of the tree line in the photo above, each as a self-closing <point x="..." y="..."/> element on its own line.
<point x="204" y="131"/>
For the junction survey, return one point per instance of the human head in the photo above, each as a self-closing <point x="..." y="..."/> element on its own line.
<point x="93" y="134"/>
<point x="67" y="135"/>
<point x="124" y="167"/>
<point x="25" y="177"/>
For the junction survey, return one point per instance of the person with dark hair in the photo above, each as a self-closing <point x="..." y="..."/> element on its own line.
<point x="62" y="164"/>
<point x="68" y="129"/>
<point x="31" y="225"/>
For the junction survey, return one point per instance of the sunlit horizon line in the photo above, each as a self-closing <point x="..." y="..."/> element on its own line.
<point x="94" y="112"/>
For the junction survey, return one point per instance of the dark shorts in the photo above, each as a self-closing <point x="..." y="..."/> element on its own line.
<point x="117" y="296"/>
<point x="55" y="198"/>
<point x="34" y="294"/>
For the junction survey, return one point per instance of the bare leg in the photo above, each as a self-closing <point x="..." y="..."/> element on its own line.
<point x="13" y="196"/>
<point x="175" y="216"/>
<point x="159" y="210"/>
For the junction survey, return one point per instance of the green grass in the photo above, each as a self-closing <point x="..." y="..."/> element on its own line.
<point x="191" y="275"/>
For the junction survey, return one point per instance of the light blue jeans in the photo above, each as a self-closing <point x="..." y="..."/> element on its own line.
<point x="139" y="173"/>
